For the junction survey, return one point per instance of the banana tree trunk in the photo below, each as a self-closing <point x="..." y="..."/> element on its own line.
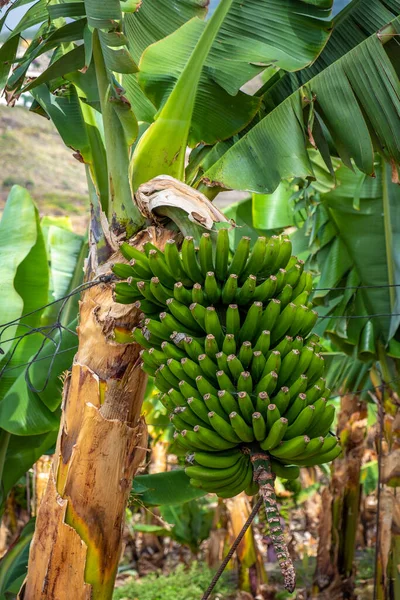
<point x="334" y="576"/>
<point x="102" y="441"/>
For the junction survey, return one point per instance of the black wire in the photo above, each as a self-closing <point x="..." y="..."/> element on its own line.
<point x="357" y="287"/>
<point x="358" y="316"/>
<point x="39" y="359"/>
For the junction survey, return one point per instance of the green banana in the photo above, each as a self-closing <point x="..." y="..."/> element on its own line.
<point x="205" y="254"/>
<point x="159" y="269"/>
<point x="246" y="407"/>
<point x="165" y="371"/>
<point x="313" y="448"/>
<point x="229" y="344"/>
<point x="212" y="438"/>
<point x="282" y="399"/>
<point x="283" y="325"/>
<point x="212" y="325"/>
<point x="223" y="428"/>
<point x="232" y="319"/>
<point x="252" y="489"/>
<point x="263" y="342"/>
<point x="257" y="365"/>
<point x="222" y="254"/>
<point x="188" y="416"/>
<point x="270" y="316"/>
<point x="262" y="402"/>
<point x="288" y="365"/>
<point x="245" y="382"/>
<point x="293" y="275"/>
<point x="172" y="351"/>
<point x="144" y="289"/>
<point x="299" y="387"/>
<point x="285" y="252"/>
<point x="245" y="354"/>
<point x="204" y="386"/>
<point x="235" y="366"/>
<point x="130" y="252"/>
<point x="273" y="363"/>
<point x="191" y="368"/>
<point x="181" y="294"/>
<point x="246" y="292"/>
<point x="296" y="407"/>
<point x="256" y="259"/>
<point x="188" y="391"/>
<point x="266" y="290"/>
<point x="323" y="425"/>
<point x="301" y="423"/>
<point x="174" y="262"/>
<point x="321" y="459"/>
<point x="240" y="257"/>
<point x="285" y="295"/>
<point x="271" y="254"/>
<point x="227" y="401"/>
<point x="192" y="347"/>
<point x="189" y="260"/>
<point x="224" y="381"/>
<point x="176" y="397"/>
<point x="222" y="361"/>
<point x="280" y="280"/>
<point x="211" y="347"/>
<point x="259" y="426"/>
<point x="184" y="315"/>
<point x="208" y="367"/>
<point x="199" y="408"/>
<point x="291" y="448"/>
<point x="211" y="474"/>
<point x="309" y="322"/>
<point x="238" y="487"/>
<point x="221" y="460"/>
<point x="303" y="363"/>
<point x="315" y="369"/>
<point x="159" y="291"/>
<point x="198" y="313"/>
<point x="242" y="430"/>
<point x="273" y="415"/>
<point x="178" y="422"/>
<point x="275" y="434"/>
<point x="198" y="295"/>
<point x="291" y="472"/>
<point x="267" y="384"/>
<point x="147" y="307"/>
<point x="251" y="323"/>
<point x="213" y="405"/>
<point x="176" y="368"/>
<point x="193" y="440"/>
<point x="141" y="269"/>
<point x="229" y="290"/>
<point x="212" y="288"/>
<point x="313" y="393"/>
<point x="285" y="346"/>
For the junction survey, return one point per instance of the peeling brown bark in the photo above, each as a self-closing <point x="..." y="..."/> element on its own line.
<point x="101" y="443"/>
<point x="334" y="577"/>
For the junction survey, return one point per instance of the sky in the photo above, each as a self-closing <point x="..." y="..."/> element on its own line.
<point x="17" y="13"/>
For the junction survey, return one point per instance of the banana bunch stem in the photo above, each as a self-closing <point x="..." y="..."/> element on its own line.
<point x="265" y="478"/>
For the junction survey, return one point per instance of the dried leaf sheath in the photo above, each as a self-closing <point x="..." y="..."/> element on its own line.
<point x="101" y="443"/>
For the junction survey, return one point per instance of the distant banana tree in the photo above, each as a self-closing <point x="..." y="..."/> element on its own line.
<point x="151" y="79"/>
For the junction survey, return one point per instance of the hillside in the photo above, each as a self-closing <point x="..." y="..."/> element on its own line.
<point x="32" y="155"/>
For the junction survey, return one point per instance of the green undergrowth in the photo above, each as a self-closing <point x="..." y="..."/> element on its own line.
<point x="181" y="584"/>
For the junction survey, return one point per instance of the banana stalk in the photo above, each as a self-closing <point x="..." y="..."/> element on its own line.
<point x="265" y="479"/>
<point x="102" y="439"/>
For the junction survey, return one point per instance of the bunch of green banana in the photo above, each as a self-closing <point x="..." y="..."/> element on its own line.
<point x="228" y="341"/>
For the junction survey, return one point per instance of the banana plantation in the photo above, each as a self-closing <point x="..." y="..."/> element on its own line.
<point x="200" y="390"/>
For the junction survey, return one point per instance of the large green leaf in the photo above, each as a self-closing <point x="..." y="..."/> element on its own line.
<point x="360" y="250"/>
<point x="172" y="487"/>
<point x="357" y="100"/>
<point x="273" y="211"/>
<point x="202" y="67"/>
<point x="354" y="24"/>
<point x="155" y="19"/>
<point x="25" y="276"/>
<point x="22" y="453"/>
<point x="14" y="563"/>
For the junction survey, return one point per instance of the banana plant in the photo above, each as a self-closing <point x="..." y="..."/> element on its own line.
<point x="42" y="262"/>
<point x="150" y="80"/>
